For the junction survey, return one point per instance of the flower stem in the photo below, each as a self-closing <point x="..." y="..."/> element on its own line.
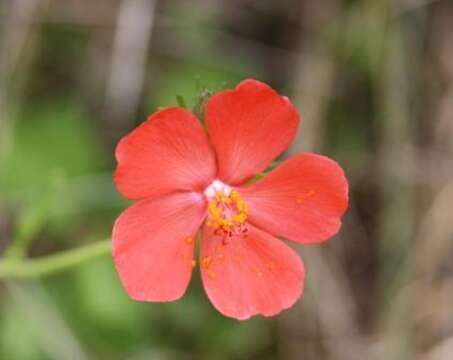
<point x="12" y="268"/>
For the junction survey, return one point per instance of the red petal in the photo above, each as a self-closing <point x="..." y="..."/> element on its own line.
<point x="153" y="242"/>
<point x="168" y="152"/>
<point x="301" y="200"/>
<point x="249" y="127"/>
<point x="250" y="274"/>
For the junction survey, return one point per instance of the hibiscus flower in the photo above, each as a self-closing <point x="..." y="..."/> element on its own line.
<point x="186" y="179"/>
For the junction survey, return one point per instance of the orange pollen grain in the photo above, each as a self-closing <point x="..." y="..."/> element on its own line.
<point x="301" y="198"/>
<point x="206" y="261"/>
<point x="211" y="275"/>
<point x="189" y="240"/>
<point x="194" y="263"/>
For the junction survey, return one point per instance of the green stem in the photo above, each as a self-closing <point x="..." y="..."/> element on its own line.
<point x="12" y="268"/>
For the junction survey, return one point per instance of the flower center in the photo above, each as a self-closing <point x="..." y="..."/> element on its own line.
<point x="227" y="211"/>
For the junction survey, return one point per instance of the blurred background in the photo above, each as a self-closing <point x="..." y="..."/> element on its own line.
<point x="373" y="80"/>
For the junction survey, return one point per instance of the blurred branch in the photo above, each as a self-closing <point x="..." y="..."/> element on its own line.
<point x="16" y="49"/>
<point x="393" y="93"/>
<point x="32" y="268"/>
<point x="433" y="250"/>
<point x="340" y="328"/>
<point x="314" y="82"/>
<point x="441" y="351"/>
<point x="128" y="63"/>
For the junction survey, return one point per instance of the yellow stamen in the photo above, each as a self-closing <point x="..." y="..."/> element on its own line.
<point x="227" y="211"/>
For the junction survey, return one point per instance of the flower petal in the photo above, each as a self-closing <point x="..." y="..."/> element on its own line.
<point x="250" y="274"/>
<point x="301" y="200"/>
<point x="249" y="127"/>
<point x="168" y="152"/>
<point x="153" y="243"/>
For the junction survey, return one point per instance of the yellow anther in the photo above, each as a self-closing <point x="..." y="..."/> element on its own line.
<point x="240" y="218"/>
<point x="235" y="195"/>
<point x="213" y="209"/>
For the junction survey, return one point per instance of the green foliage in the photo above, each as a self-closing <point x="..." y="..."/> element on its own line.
<point x="51" y="141"/>
<point x="45" y="173"/>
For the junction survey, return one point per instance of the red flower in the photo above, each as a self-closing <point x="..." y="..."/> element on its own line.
<point x="185" y="179"/>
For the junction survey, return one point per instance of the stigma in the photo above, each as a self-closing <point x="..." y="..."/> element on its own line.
<point x="227" y="211"/>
